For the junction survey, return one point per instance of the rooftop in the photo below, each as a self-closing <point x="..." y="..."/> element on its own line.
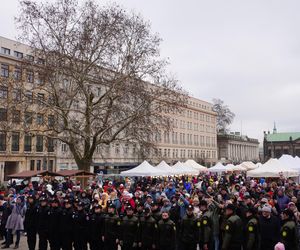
<point x="277" y="137"/>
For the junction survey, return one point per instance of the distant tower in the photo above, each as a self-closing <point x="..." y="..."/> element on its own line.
<point x="274" y="129"/>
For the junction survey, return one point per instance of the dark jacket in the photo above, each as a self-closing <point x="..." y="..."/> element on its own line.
<point x="269" y="232"/>
<point x="30" y="221"/>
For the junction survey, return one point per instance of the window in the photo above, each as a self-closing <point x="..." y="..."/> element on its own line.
<point x="38" y="165"/>
<point x="76" y="104"/>
<point x="51" y="121"/>
<point x="4" y="70"/>
<point x="5" y="51"/>
<point x="32" y="165"/>
<point x="30" y="76"/>
<point x="16" y="116"/>
<point x="40" y="98"/>
<point x="28" y="117"/>
<point x="18" y="54"/>
<point x="51" y="165"/>
<point x="98" y="91"/>
<point x="15" y="142"/>
<point x="40" y="79"/>
<point x="50" y="144"/>
<point x="126" y="149"/>
<point x="64" y="147"/>
<point x="18" y="73"/>
<point x="30" y="58"/>
<point x="117" y="149"/>
<point x="16" y="95"/>
<point x="40" y="119"/>
<point x="29" y="96"/>
<point x="2" y="141"/>
<point x="27" y="143"/>
<point x="41" y="61"/>
<point x="39" y="143"/>
<point x="3" y="114"/>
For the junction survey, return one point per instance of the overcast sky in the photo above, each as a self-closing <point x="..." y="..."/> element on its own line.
<point x="246" y="53"/>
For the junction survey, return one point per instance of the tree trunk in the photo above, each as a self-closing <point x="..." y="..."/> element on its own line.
<point x="84" y="164"/>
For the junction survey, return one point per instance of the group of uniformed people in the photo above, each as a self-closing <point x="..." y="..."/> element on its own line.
<point x="70" y="224"/>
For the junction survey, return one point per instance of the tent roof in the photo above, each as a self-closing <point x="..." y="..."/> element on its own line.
<point x="181" y="168"/>
<point x="32" y="173"/>
<point x="195" y="165"/>
<point x="68" y="173"/>
<point x="239" y="168"/>
<point x="290" y="161"/>
<point x="272" y="168"/>
<point x="144" y="169"/>
<point x="248" y="165"/>
<point x="219" y="167"/>
<point x="166" y="168"/>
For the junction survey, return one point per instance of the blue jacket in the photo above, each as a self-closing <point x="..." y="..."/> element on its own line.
<point x="170" y="192"/>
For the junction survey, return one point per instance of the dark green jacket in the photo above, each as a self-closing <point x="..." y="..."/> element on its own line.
<point x="166" y="234"/>
<point x="148" y="231"/>
<point x="252" y="235"/>
<point x="129" y="229"/>
<point x="189" y="229"/>
<point x="233" y="235"/>
<point x="289" y="235"/>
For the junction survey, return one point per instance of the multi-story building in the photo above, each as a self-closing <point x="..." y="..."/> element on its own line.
<point x="236" y="148"/>
<point x="276" y="144"/>
<point x="19" y="148"/>
<point x="193" y="135"/>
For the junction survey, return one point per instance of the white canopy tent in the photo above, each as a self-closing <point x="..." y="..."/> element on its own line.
<point x="290" y="162"/>
<point x="273" y="168"/>
<point x="163" y="166"/>
<point x="144" y="169"/>
<point x="181" y="168"/>
<point x="195" y="165"/>
<point x="248" y="165"/>
<point x="238" y="168"/>
<point x="218" y="168"/>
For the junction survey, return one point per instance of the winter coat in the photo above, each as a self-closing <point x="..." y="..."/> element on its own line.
<point x="16" y="219"/>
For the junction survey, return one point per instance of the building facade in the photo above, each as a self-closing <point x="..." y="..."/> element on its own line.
<point x="193" y="135"/>
<point x="235" y="148"/>
<point x="276" y="144"/>
<point x="21" y="150"/>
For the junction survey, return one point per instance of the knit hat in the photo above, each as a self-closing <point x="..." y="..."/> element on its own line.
<point x="266" y="208"/>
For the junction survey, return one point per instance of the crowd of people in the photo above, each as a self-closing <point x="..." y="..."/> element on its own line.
<point x="228" y="212"/>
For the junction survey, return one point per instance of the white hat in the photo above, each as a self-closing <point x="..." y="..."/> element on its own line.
<point x="266" y="208"/>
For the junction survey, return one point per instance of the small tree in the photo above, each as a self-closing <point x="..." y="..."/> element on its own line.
<point x="97" y="64"/>
<point x="224" y="115"/>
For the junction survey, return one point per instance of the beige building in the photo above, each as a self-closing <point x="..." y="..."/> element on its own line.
<point x="20" y="150"/>
<point x="193" y="137"/>
<point x="236" y="148"/>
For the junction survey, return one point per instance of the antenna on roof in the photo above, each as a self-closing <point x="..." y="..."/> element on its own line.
<point x="274" y="129"/>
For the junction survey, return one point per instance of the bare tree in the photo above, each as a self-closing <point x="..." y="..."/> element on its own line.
<point x="224" y="115"/>
<point x="103" y="76"/>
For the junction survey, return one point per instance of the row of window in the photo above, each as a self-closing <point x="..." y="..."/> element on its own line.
<point x="189" y="139"/>
<point x="107" y="149"/>
<point x="28" y="142"/>
<point x="28" y="117"/>
<point x="198" y="116"/>
<point x="16" y="95"/>
<point x="41" y="165"/>
<point x="20" y="55"/>
<point x="183" y="153"/>
<point x="17" y="74"/>
<point x="198" y="105"/>
<point x="197" y="127"/>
